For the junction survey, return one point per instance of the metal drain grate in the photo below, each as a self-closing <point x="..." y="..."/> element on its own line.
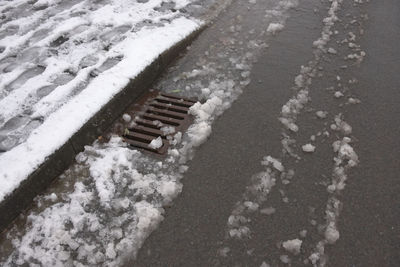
<point x="157" y="115"/>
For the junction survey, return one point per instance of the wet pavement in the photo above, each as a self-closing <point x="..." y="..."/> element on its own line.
<point x="194" y="232"/>
<point x="238" y="206"/>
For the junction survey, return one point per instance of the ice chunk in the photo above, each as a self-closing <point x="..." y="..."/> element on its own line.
<point x="285" y="259"/>
<point x="321" y="114"/>
<point x="275" y="163"/>
<point x="309" y="148"/>
<point x="251" y="206"/>
<point x="156" y="143"/>
<point x="332" y="51"/>
<point x="293" y="246"/>
<point x="331" y="234"/>
<point x="353" y="101"/>
<point x="275" y="27"/>
<point x="338" y="94"/>
<point x="268" y="211"/>
<point x="126" y="117"/>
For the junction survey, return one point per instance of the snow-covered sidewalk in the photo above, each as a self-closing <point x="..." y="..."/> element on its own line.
<point x="62" y="61"/>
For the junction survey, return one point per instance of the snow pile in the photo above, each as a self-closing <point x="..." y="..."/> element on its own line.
<point x="68" y="71"/>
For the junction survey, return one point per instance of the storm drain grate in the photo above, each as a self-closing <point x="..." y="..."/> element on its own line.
<point x="157" y="115"/>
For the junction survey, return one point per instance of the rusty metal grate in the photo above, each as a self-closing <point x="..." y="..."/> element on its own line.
<point x="151" y="114"/>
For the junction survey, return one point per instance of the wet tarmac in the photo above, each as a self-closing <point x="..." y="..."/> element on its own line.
<point x="259" y="70"/>
<point x="195" y="227"/>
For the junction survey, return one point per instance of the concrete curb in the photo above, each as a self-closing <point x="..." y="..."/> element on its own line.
<point x="60" y="160"/>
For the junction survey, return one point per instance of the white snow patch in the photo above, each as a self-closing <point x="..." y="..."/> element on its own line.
<point x="126" y="117"/>
<point x="293" y="246"/>
<point x="285" y="259"/>
<point x="309" y="148"/>
<point x="321" y="114"/>
<point x="338" y="94"/>
<point x="268" y="211"/>
<point x="275" y="27"/>
<point x="156" y="143"/>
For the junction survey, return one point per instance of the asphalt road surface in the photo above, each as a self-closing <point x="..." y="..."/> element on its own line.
<point x="195" y="230"/>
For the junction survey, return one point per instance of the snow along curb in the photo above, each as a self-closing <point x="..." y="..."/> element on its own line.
<point x="54" y="164"/>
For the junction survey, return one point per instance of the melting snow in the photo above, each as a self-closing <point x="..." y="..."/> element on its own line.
<point x="156" y="143"/>
<point x="309" y="148"/>
<point x="275" y="27"/>
<point x="293" y="246"/>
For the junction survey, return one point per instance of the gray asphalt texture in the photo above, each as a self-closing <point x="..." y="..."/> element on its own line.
<point x="194" y="228"/>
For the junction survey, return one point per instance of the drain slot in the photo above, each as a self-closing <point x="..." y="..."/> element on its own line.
<point x="178" y="109"/>
<point x="166" y="120"/>
<point x="174" y="102"/>
<point x="165" y="113"/>
<point x="152" y="114"/>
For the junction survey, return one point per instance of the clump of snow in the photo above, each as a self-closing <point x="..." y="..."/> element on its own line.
<point x="268" y="211"/>
<point x="156" y="143"/>
<point x="341" y="125"/>
<point x="275" y="27"/>
<point x="275" y="163"/>
<point x="309" y="148"/>
<point x="332" y="51"/>
<point x="338" y="94"/>
<point x="321" y="114"/>
<point x="126" y="117"/>
<point x="293" y="246"/>
<point x="331" y="234"/>
<point x="292" y="108"/>
<point x="353" y="101"/>
<point x="285" y="259"/>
